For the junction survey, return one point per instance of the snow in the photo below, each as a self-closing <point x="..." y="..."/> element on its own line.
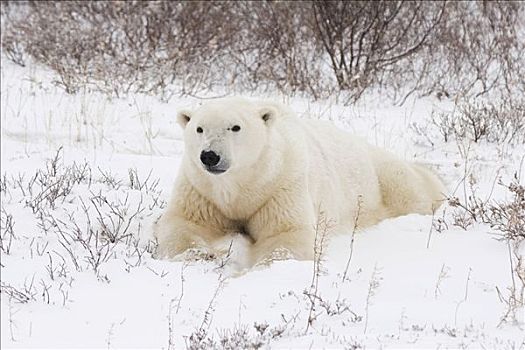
<point x="408" y="285"/>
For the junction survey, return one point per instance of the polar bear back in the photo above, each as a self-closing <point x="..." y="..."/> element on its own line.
<point x="347" y="177"/>
<point x="341" y="173"/>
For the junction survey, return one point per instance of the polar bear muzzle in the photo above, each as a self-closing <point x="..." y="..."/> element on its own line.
<point x="212" y="162"/>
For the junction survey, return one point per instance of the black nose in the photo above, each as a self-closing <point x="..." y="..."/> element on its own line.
<point x="210" y="158"/>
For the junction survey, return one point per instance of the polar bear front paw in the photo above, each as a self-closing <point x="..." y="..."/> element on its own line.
<point x="277" y="254"/>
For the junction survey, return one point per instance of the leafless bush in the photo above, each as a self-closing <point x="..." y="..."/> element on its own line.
<point x="55" y="182"/>
<point x="472" y="208"/>
<point x="443" y="273"/>
<point x="12" y="45"/>
<point x="365" y="42"/>
<point x="352" y="239"/>
<point x="147" y="184"/>
<point x="3" y="184"/>
<point x="514" y="295"/>
<point x="318" y="48"/>
<point x="322" y="227"/>
<point x="507" y="218"/>
<point x="119" y="47"/>
<point x="21" y="296"/>
<point x="279" y="50"/>
<point x="241" y="336"/>
<point x="199" y="339"/>
<point x="7" y="233"/>
<point x="477" y="120"/>
<point x="104" y="226"/>
<point x="373" y="285"/>
<point x="317" y="305"/>
<point x="477" y="51"/>
<point x="445" y="124"/>
<point x="109" y="179"/>
<point x="460" y="302"/>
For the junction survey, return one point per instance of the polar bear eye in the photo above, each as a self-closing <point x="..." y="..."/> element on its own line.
<point x="236" y="128"/>
<point x="199" y="130"/>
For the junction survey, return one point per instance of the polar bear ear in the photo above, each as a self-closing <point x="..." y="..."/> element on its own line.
<point x="183" y="118"/>
<point x="268" y="114"/>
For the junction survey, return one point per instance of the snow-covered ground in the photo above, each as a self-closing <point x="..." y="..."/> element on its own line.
<point x="84" y="178"/>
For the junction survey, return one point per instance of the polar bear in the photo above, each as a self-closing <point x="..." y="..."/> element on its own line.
<point x="253" y="167"/>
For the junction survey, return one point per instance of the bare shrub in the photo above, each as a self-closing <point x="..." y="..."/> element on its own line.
<point x="12" y="42"/>
<point x="20" y="295"/>
<point x="105" y="224"/>
<point x="477" y="51"/>
<point x="109" y="179"/>
<point x="3" y="184"/>
<point x="373" y="285"/>
<point x="366" y="41"/>
<point x="478" y="119"/>
<point x="352" y="239"/>
<point x="54" y="182"/>
<point x="514" y="295"/>
<point x="7" y="233"/>
<point x="508" y="219"/>
<point x="241" y="336"/>
<point x="200" y="339"/>
<point x="316" y="304"/>
<point x="445" y="124"/>
<point x="318" y="48"/>
<point x="322" y="227"/>
<point x="119" y="47"/>
<point x="279" y="50"/>
<point x="136" y="183"/>
<point x="443" y="273"/>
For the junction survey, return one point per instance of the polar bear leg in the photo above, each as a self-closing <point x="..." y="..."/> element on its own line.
<point x="296" y="243"/>
<point x="409" y="188"/>
<point x="284" y="225"/>
<point x="176" y="234"/>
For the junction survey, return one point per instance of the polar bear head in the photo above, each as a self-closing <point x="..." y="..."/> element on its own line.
<point x="227" y="135"/>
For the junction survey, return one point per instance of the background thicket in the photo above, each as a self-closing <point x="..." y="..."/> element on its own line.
<point x="315" y="48"/>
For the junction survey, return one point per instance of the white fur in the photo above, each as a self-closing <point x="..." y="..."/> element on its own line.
<point x="282" y="172"/>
